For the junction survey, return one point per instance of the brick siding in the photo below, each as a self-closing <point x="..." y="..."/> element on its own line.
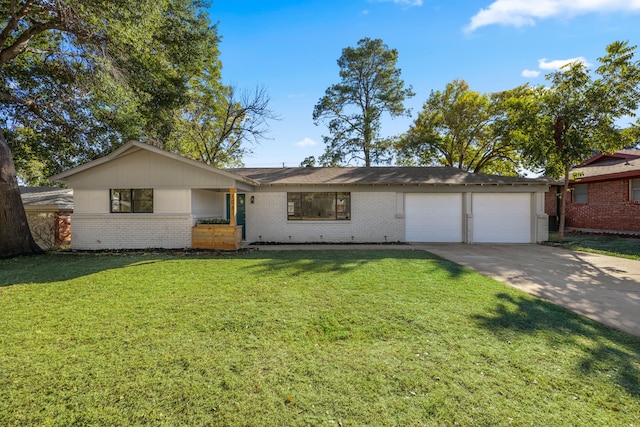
<point x="373" y="219"/>
<point x="130" y="231"/>
<point x="62" y="229"/>
<point x="551" y="207"/>
<point x="608" y="208"/>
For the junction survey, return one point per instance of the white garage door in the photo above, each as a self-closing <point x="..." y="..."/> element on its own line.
<point x="433" y="217"/>
<point x="502" y="218"/>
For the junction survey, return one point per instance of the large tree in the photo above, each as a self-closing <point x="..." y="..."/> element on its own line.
<point x="220" y="122"/>
<point x="461" y="128"/>
<point x="78" y="77"/>
<point x="370" y="86"/>
<point x="577" y="115"/>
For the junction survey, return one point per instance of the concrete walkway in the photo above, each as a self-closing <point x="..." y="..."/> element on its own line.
<point x="603" y="288"/>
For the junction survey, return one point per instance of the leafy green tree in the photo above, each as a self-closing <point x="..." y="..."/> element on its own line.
<point x="80" y="77"/>
<point x="631" y="136"/>
<point x="461" y="128"/>
<point x="308" y="162"/>
<point x="563" y="125"/>
<point x="370" y="86"/>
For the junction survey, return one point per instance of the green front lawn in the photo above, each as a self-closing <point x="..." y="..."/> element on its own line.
<point x="620" y="246"/>
<point x="351" y="338"/>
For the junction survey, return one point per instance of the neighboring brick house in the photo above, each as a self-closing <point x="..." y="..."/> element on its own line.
<point x="49" y="212"/>
<point x="604" y="195"/>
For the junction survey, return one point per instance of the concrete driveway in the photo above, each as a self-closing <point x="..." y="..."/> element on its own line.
<point x="604" y="288"/>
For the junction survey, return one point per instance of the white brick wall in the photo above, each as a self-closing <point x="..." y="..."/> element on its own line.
<point x="130" y="231"/>
<point x="376" y="217"/>
<point x="373" y="219"/>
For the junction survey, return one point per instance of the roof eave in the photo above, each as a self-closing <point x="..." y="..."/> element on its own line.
<point x="630" y="174"/>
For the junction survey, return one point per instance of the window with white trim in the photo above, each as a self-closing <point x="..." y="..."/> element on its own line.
<point x="131" y="200"/>
<point x="580" y="193"/>
<point x="318" y="206"/>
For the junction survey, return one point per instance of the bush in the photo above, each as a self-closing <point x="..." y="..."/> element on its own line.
<point x="213" y="221"/>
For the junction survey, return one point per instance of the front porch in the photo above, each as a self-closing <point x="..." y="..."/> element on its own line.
<point x="221" y="236"/>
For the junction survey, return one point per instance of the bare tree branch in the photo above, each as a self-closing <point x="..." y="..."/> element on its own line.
<point x="20" y="45"/>
<point x="55" y="52"/>
<point x="29" y="103"/>
<point x="12" y="24"/>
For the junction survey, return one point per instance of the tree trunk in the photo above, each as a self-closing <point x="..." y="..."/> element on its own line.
<point x="15" y="236"/>
<point x="367" y="136"/>
<point x="366" y="146"/>
<point x="563" y="204"/>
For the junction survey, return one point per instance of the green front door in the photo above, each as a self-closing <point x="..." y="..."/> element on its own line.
<point x="240" y="213"/>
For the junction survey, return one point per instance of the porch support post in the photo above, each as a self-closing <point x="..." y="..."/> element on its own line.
<point x="233" y="206"/>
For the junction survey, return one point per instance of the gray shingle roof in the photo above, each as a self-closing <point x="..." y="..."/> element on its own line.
<point x="41" y="196"/>
<point x="375" y="176"/>
<point x="609" y="167"/>
<point x="632" y="152"/>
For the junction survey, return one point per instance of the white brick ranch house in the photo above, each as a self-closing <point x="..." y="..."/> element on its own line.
<point x="140" y="196"/>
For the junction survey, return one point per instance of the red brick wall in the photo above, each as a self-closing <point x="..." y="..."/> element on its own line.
<point x="550" y="200"/>
<point x="608" y="208"/>
<point x="63" y="228"/>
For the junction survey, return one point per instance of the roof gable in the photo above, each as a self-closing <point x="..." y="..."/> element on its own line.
<point x="133" y="147"/>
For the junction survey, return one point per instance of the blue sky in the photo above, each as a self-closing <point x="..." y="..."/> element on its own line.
<point x="291" y="47"/>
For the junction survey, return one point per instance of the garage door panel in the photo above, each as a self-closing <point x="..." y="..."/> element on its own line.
<point x="433" y="217"/>
<point x="501" y="218"/>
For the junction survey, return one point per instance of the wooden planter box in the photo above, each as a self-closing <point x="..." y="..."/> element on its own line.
<point x="216" y="236"/>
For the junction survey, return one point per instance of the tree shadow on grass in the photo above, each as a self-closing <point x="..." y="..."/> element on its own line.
<point x="59" y="267"/>
<point x="624" y="245"/>
<point x="342" y="261"/>
<point x="606" y="349"/>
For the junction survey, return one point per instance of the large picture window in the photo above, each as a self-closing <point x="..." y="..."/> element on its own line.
<point x="129" y="200"/>
<point x="319" y="206"/>
<point x="635" y="190"/>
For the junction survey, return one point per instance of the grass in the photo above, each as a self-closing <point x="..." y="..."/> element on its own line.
<point x="625" y="247"/>
<point x="347" y="338"/>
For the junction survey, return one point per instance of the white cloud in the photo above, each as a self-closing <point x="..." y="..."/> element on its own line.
<point x="405" y="2"/>
<point x="519" y="13"/>
<point x="530" y="73"/>
<point x="553" y="65"/>
<point x="556" y="64"/>
<point x="306" y="142"/>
